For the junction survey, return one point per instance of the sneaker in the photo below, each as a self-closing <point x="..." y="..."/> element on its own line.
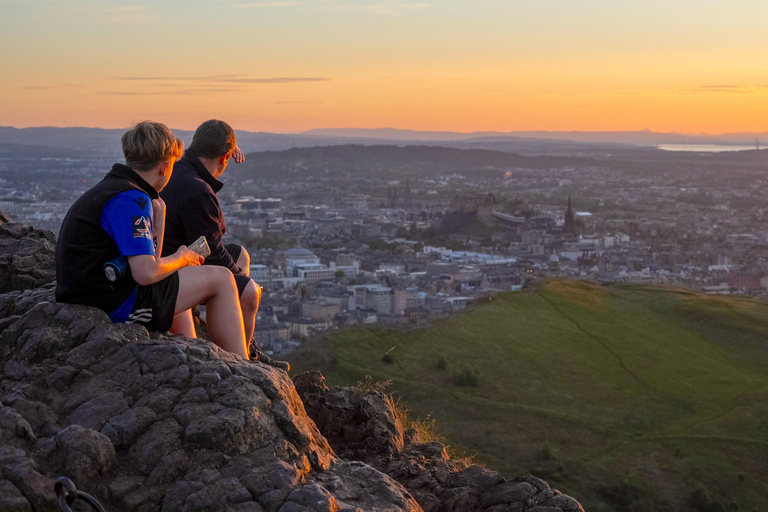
<point x="258" y="355"/>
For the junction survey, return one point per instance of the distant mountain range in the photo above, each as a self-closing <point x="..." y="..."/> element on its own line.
<point x="591" y="144"/>
<point x="638" y="138"/>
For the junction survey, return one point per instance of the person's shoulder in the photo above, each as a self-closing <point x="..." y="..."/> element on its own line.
<point x="130" y="200"/>
<point x="185" y="181"/>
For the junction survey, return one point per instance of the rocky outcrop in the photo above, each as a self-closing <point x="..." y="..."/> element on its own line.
<point x="26" y="256"/>
<point x="155" y="422"/>
<point x="147" y="421"/>
<point x="365" y="427"/>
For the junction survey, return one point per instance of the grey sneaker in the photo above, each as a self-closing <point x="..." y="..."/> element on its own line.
<point x="258" y="355"/>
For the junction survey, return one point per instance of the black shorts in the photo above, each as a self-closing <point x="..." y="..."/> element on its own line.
<point x="242" y="281"/>
<point x="156" y="304"/>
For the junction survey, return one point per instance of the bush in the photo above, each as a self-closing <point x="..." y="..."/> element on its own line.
<point x="469" y="376"/>
<point x="442" y="362"/>
<point x="388" y="358"/>
<point x="546" y="451"/>
<point x="622" y="497"/>
<point x="699" y="500"/>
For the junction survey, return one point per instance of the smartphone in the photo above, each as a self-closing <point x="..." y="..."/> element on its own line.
<point x="200" y="246"/>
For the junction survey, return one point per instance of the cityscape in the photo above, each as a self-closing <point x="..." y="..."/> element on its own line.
<point x="345" y="235"/>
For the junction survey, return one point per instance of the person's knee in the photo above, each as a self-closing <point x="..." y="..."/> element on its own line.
<point x="249" y="300"/>
<point x="221" y="278"/>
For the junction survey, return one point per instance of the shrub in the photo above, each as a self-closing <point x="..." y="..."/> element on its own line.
<point x="546" y="451"/>
<point x="388" y="358"/>
<point x="442" y="362"/>
<point x="469" y="376"/>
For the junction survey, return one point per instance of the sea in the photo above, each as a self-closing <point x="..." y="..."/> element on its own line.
<point x="708" y="148"/>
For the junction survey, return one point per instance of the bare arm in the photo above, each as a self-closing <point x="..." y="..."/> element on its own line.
<point x="158" y="223"/>
<point x="147" y="269"/>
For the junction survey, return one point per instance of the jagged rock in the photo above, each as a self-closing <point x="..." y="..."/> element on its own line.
<point x="358" y="425"/>
<point x="26" y="257"/>
<point x="365" y="426"/>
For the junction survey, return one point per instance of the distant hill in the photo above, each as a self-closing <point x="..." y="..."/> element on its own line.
<point x="632" y="397"/>
<point x="641" y="138"/>
<point x="591" y="144"/>
<point x="392" y="160"/>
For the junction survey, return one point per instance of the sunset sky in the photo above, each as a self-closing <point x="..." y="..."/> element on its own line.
<point x="456" y="65"/>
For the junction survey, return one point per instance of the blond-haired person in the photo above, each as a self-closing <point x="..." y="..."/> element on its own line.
<point x="108" y="250"/>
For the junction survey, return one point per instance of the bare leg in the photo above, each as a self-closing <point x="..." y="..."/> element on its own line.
<point x="249" y="302"/>
<point x="244" y="261"/>
<point x="215" y="287"/>
<point x="184" y="324"/>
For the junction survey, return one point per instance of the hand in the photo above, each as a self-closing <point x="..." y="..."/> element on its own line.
<point x="190" y="257"/>
<point x="238" y="155"/>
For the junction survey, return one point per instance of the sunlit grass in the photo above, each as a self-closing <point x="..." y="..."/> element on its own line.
<point x="606" y="376"/>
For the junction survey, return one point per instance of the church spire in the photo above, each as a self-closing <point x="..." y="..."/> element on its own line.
<point x="569" y="226"/>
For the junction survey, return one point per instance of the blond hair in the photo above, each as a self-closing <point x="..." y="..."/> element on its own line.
<point x="148" y="144"/>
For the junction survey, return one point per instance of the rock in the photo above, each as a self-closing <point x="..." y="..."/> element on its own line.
<point x="359" y="426"/>
<point x="11" y="498"/>
<point x="26" y="257"/>
<point x="85" y="454"/>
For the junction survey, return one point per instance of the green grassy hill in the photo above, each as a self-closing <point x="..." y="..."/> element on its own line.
<point x="626" y="397"/>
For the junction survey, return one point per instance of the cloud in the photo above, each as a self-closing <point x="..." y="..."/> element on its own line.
<point x="185" y="92"/>
<point x="265" y="4"/>
<point x="298" y="102"/>
<point x="35" y="87"/>
<point x="223" y="79"/>
<point x="732" y="89"/>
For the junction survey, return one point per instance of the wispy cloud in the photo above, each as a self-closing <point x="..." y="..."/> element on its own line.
<point x="224" y="79"/>
<point x="732" y="89"/>
<point x="298" y="102"/>
<point x="35" y="87"/>
<point x="266" y="4"/>
<point x="185" y="92"/>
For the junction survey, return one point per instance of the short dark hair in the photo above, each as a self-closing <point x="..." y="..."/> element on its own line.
<point x="213" y="139"/>
<point x="148" y="144"/>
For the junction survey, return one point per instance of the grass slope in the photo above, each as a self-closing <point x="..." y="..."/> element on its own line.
<point x="626" y="397"/>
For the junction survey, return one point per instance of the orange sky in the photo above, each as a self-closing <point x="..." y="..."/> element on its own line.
<point x="434" y="65"/>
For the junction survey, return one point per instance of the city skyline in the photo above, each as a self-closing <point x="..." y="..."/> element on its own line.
<point x="444" y="65"/>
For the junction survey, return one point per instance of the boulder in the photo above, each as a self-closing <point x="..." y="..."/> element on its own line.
<point x="26" y="257"/>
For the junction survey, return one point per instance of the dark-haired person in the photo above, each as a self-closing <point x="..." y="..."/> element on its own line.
<point x="193" y="210"/>
<point x="118" y="222"/>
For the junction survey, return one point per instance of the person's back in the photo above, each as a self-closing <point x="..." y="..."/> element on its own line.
<point x="84" y="245"/>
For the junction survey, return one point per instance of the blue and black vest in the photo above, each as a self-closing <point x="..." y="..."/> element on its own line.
<point x="84" y="246"/>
